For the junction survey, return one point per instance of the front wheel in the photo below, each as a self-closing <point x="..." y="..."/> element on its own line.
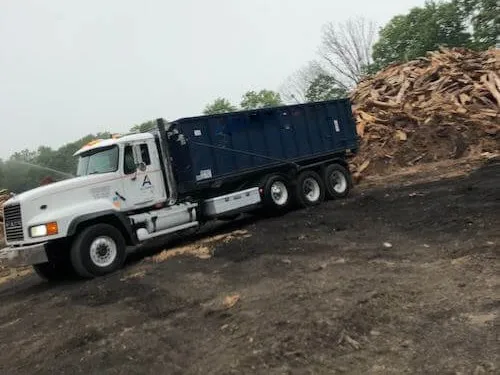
<point x="98" y="250"/>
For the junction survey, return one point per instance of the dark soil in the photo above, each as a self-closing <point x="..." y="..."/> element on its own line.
<point x="396" y="279"/>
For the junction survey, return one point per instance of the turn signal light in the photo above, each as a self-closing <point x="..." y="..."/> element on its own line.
<point x="52" y="228"/>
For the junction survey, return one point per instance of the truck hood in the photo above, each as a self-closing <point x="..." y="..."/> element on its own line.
<point x="62" y="202"/>
<point x="59" y="187"/>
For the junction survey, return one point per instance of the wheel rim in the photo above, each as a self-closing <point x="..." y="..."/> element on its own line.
<point x="103" y="251"/>
<point x="311" y="189"/>
<point x="279" y="193"/>
<point x="338" y="181"/>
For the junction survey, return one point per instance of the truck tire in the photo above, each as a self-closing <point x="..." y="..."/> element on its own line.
<point x="309" y="189"/>
<point x="338" y="181"/>
<point x="276" y="194"/>
<point x="98" y="250"/>
<point x="51" y="272"/>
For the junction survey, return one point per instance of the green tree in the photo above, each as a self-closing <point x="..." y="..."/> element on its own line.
<point x="345" y="57"/>
<point x="45" y="156"/>
<point x="219" y="105"/>
<point x="294" y="88"/>
<point x="423" y="29"/>
<point x="24" y="155"/>
<point x="19" y="177"/>
<point x="324" y="87"/>
<point x="25" y="169"/>
<point x="64" y="160"/>
<point x="144" y="127"/>
<point x="261" y="99"/>
<point x="2" y="175"/>
<point x="484" y="18"/>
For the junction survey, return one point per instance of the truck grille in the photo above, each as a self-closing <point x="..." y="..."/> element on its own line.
<point x="13" y="222"/>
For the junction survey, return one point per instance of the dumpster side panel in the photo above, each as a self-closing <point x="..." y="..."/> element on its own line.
<point x="213" y="147"/>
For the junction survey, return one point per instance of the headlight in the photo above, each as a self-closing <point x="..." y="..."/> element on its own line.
<point x="43" y="230"/>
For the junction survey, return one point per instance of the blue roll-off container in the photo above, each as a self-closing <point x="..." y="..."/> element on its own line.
<point x="217" y="147"/>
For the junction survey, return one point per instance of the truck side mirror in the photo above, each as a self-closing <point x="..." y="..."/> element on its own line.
<point x="141" y="166"/>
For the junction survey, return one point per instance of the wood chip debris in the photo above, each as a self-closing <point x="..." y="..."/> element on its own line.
<point x="231" y="300"/>
<point x="220" y="304"/>
<point x="201" y="249"/>
<point x="443" y="106"/>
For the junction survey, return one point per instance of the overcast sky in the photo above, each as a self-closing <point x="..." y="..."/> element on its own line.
<point x="69" y="68"/>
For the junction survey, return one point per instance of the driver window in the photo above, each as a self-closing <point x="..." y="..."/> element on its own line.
<point x="129" y="166"/>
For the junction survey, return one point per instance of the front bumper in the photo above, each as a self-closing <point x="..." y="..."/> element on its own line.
<point x="24" y="256"/>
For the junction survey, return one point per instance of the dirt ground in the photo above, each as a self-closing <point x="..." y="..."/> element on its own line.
<point x="401" y="278"/>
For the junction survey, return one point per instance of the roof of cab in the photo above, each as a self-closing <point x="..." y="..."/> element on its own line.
<point x="100" y="143"/>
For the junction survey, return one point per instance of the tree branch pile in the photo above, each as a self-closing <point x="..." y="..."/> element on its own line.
<point x="446" y="105"/>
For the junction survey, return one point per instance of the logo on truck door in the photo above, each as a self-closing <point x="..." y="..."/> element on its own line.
<point x="146" y="182"/>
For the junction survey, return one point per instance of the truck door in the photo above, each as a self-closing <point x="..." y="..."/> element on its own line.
<point x="142" y="183"/>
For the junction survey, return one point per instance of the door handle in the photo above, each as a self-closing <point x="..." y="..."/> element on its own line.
<point x="119" y="196"/>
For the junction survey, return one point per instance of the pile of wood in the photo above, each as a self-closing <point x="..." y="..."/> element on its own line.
<point x="446" y="105"/>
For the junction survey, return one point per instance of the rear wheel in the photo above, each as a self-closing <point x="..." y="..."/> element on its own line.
<point x="98" y="250"/>
<point x="310" y="189"/>
<point x="276" y="193"/>
<point x="337" y="181"/>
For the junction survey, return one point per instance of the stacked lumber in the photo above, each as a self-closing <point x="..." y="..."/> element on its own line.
<point x="446" y="105"/>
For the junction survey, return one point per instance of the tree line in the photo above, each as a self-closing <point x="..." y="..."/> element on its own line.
<point x="347" y="52"/>
<point x="353" y="49"/>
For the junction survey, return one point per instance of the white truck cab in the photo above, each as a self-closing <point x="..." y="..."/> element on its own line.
<point x="119" y="182"/>
<point x="112" y="175"/>
<point x="132" y="168"/>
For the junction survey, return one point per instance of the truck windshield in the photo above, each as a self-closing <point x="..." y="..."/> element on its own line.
<point x="102" y="160"/>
